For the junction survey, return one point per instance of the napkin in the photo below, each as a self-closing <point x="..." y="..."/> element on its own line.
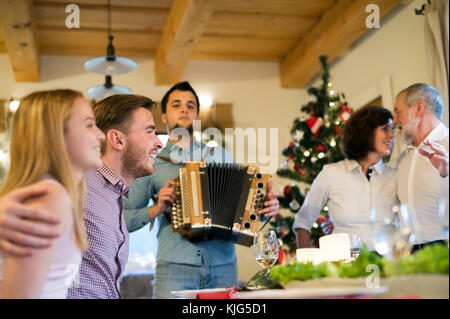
<point x="228" y="294"/>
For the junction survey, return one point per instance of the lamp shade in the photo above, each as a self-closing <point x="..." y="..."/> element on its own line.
<point x="110" y="64"/>
<point x="101" y="65"/>
<point x="107" y="89"/>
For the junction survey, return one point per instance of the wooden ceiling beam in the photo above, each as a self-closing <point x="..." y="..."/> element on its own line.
<point x="184" y="27"/>
<point x="18" y="32"/>
<point x="337" y="30"/>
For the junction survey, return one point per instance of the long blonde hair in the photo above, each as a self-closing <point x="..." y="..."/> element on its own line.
<point x="38" y="148"/>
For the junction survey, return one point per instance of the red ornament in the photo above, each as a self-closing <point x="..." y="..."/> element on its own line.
<point x="321" y="148"/>
<point x="337" y="130"/>
<point x="321" y="219"/>
<point x="345" y="113"/>
<point x="291" y="155"/>
<point x="300" y="170"/>
<point x="287" y="191"/>
<point x="291" y="144"/>
<point x="314" y="124"/>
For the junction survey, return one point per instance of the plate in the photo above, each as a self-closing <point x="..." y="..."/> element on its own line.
<point x="192" y="294"/>
<point x="299" y="293"/>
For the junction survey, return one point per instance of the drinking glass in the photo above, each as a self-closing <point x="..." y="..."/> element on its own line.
<point x="394" y="239"/>
<point x="265" y="249"/>
<point x="355" y="246"/>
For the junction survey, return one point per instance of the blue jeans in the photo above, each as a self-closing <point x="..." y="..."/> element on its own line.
<point x="173" y="277"/>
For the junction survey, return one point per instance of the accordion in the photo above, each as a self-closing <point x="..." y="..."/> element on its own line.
<point x="218" y="201"/>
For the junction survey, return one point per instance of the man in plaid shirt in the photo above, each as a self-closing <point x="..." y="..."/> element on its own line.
<point x="127" y="153"/>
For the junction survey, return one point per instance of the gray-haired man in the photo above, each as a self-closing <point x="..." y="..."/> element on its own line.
<point x="423" y="167"/>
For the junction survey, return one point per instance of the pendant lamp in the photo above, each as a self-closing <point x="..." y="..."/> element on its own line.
<point x="110" y="64"/>
<point x="107" y="89"/>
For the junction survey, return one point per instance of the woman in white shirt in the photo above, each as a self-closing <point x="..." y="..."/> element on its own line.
<point x="54" y="141"/>
<point x="354" y="186"/>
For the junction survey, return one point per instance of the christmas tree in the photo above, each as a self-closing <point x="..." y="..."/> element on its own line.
<point x="315" y="141"/>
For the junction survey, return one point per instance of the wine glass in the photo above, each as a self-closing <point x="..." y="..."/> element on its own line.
<point x="394" y="238"/>
<point x="355" y="246"/>
<point x="265" y="249"/>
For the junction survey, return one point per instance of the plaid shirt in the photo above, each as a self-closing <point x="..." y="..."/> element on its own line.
<point x="103" y="263"/>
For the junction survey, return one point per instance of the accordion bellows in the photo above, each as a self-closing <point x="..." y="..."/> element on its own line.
<point x="219" y="201"/>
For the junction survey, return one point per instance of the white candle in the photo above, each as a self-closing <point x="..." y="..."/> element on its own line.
<point x="313" y="255"/>
<point x="335" y="247"/>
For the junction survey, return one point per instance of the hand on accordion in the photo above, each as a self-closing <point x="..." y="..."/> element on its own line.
<point x="166" y="197"/>
<point x="272" y="206"/>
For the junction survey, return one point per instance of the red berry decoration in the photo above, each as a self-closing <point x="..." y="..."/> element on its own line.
<point x="287" y="190"/>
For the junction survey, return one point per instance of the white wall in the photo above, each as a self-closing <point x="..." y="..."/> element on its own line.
<point x="395" y="52"/>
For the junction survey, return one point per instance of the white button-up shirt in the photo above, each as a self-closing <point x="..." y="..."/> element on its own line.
<point x="351" y="198"/>
<point x="421" y="188"/>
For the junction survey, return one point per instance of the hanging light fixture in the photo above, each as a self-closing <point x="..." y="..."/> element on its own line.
<point x="107" y="89"/>
<point x="110" y="64"/>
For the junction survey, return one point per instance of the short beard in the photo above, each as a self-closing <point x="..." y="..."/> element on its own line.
<point x="410" y="129"/>
<point x="131" y="163"/>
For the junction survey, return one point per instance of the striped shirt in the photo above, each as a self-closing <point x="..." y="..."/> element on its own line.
<point x="102" y="266"/>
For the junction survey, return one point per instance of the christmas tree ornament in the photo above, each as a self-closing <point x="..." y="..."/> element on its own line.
<point x="303" y="173"/>
<point x="294" y="205"/>
<point x="345" y="113"/>
<point x="284" y="164"/>
<point x="337" y="130"/>
<point x="287" y="190"/>
<point x="320" y="148"/>
<point x="314" y="124"/>
<point x="298" y="135"/>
